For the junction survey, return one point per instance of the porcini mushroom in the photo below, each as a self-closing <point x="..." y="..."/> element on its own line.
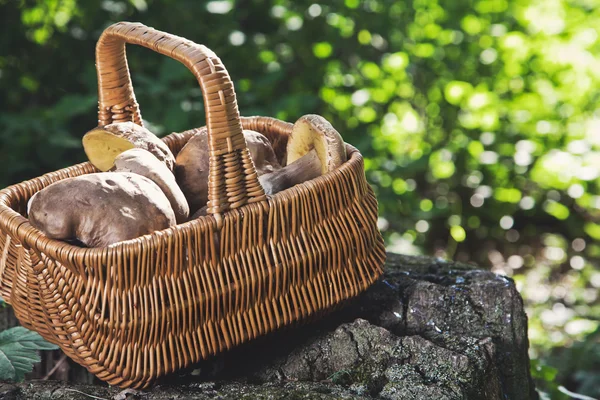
<point x="142" y="162"/>
<point x="303" y="169"/>
<point x="203" y="212"/>
<point x="315" y="132"/>
<point x="314" y="148"/>
<point x="103" y="144"/>
<point x="100" y="209"/>
<point x="191" y="165"/>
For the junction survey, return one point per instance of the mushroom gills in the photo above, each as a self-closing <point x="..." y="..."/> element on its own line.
<point x="103" y="144"/>
<point x="102" y="148"/>
<point x="315" y="132"/>
<point x="307" y="140"/>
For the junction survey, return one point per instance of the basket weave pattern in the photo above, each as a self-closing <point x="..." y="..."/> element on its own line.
<point x="143" y="308"/>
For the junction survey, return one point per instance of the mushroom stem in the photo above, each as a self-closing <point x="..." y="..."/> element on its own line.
<point x="303" y="169"/>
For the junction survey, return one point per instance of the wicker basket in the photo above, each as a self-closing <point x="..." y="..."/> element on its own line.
<point x="143" y="308"/>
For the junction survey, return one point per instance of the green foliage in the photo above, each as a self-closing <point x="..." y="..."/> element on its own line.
<point x="478" y="119"/>
<point x="545" y="378"/>
<point x="580" y="363"/>
<point x="19" y="351"/>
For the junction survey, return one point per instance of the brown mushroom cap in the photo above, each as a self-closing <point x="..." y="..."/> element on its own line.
<point x="103" y="144"/>
<point x="262" y="153"/>
<point x="142" y="162"/>
<point x="191" y="165"/>
<point x="203" y="212"/>
<point x="315" y="132"/>
<point x="191" y="170"/>
<point x="100" y="209"/>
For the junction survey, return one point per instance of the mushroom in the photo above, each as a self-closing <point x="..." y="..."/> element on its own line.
<point x="315" y="132"/>
<point x="100" y="209"/>
<point x="203" y="212"/>
<point x="142" y="162"/>
<point x="191" y="165"/>
<point x="303" y="169"/>
<point x="314" y="148"/>
<point x="103" y="144"/>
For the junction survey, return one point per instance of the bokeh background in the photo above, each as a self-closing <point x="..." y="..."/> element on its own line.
<point x="479" y="121"/>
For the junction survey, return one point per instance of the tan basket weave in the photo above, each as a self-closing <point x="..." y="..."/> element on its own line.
<point x="143" y="308"/>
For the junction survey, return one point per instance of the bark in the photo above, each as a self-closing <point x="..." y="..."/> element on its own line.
<point x="429" y="329"/>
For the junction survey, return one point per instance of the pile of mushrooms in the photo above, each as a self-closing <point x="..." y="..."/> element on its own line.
<point x="143" y="188"/>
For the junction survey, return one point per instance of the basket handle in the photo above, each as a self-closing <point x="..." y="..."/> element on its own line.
<point x="233" y="181"/>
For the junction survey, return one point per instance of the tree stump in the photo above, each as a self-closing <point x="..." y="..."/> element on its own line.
<point x="429" y="329"/>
